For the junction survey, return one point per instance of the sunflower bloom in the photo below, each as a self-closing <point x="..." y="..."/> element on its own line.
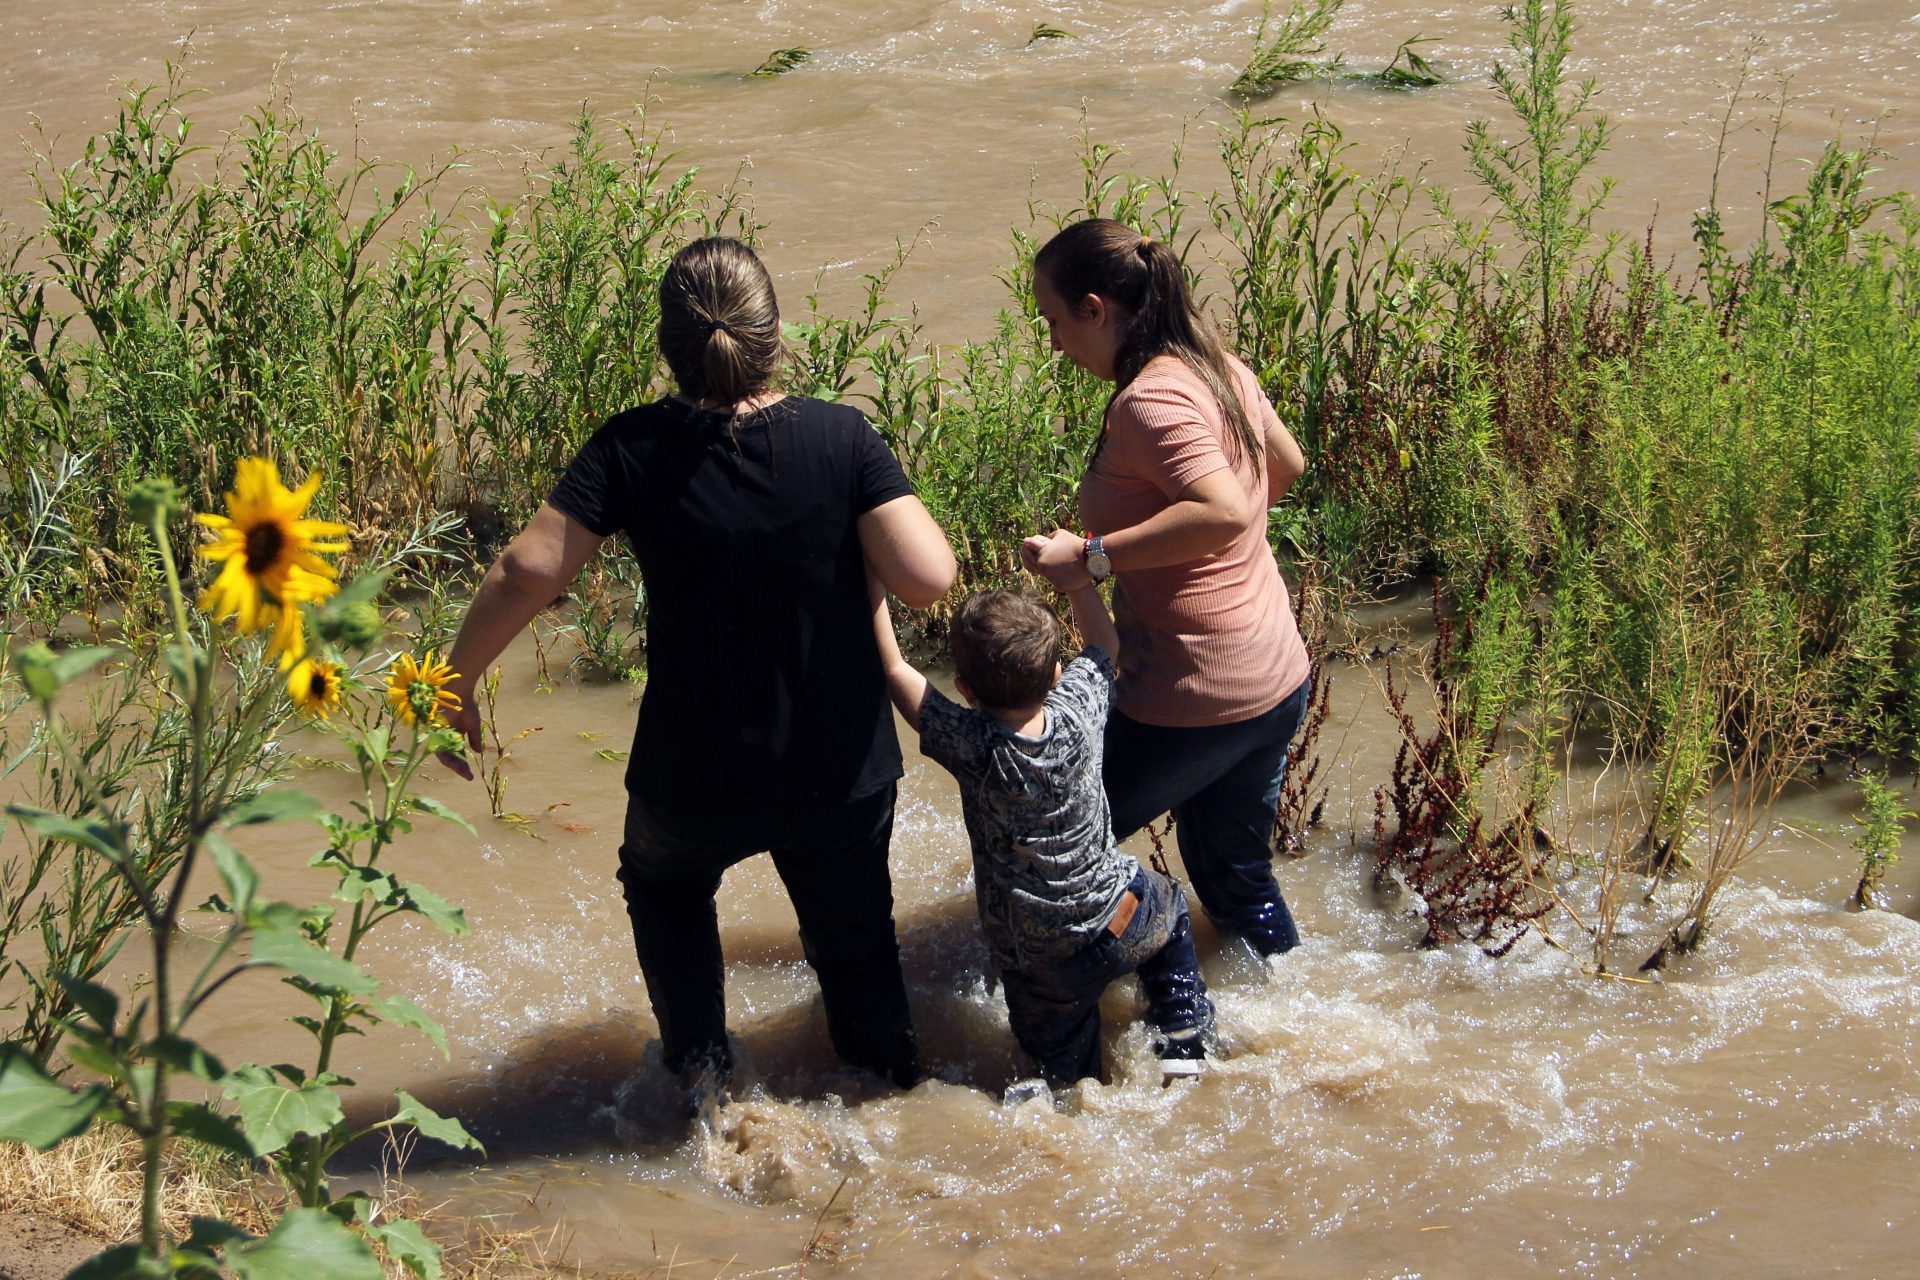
<point x="417" y="690"/>
<point x="268" y="554"/>
<point x="314" y="688"/>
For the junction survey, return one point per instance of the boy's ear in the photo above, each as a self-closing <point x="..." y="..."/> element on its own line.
<point x="1056" y="673"/>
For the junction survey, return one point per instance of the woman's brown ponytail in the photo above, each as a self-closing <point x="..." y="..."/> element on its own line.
<point x="1143" y="277"/>
<point x="719" y="323"/>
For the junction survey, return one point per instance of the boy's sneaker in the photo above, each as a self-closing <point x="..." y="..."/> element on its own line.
<point x="1183" y="1055"/>
<point x="1024" y="1091"/>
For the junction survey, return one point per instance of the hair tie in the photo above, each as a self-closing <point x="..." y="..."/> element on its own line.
<point x="1146" y="243"/>
<point x="720" y="326"/>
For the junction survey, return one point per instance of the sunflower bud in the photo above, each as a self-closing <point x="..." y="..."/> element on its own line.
<point x="353" y="626"/>
<point x="155" y="498"/>
<point x="37" y="671"/>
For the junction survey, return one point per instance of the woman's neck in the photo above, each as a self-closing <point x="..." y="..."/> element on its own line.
<point x="758" y="400"/>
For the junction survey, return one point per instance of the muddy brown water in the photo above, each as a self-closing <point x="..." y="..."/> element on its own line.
<point x="1386" y="1111"/>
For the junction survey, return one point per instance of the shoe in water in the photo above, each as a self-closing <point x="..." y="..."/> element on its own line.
<point x="1172" y="1069"/>
<point x="1024" y="1091"/>
<point x="706" y="1092"/>
<point x="1183" y="1054"/>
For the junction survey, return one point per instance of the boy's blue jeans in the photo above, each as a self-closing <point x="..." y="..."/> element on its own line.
<point x="833" y="861"/>
<point x="1222" y="783"/>
<point x="1055" y="1007"/>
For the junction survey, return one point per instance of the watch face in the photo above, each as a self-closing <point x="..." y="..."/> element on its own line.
<point x="1098" y="566"/>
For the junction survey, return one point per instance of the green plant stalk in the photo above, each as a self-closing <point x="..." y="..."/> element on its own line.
<point x="390" y="792"/>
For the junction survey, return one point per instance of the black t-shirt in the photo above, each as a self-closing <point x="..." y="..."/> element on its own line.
<point x="764" y="687"/>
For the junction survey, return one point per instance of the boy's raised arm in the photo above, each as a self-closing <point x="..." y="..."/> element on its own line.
<point x="1095" y="623"/>
<point x="906" y="686"/>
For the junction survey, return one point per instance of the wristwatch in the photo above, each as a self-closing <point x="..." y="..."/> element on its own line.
<point x="1099" y="567"/>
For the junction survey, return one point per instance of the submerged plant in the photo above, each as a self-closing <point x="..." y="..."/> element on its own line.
<point x="1417" y="74"/>
<point x="1537" y="181"/>
<point x="1284" y="49"/>
<point x="1041" y="31"/>
<point x="1879" y="837"/>
<point x="781" y="61"/>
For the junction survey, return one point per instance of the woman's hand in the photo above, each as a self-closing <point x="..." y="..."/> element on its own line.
<point x="1060" y="557"/>
<point x="464" y="720"/>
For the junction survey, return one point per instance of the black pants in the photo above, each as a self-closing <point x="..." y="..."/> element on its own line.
<point x="833" y="862"/>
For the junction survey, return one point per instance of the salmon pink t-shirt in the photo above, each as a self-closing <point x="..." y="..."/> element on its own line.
<point x="1211" y="641"/>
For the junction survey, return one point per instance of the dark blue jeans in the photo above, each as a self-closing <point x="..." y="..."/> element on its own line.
<point x="1055" y="1007"/>
<point x="1222" y="783"/>
<point x="833" y="862"/>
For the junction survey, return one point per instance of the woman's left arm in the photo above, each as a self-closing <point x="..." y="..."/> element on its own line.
<point x="1286" y="462"/>
<point x="1203" y="518"/>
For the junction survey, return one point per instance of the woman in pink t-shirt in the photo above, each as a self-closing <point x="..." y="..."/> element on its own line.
<point x="1213" y="679"/>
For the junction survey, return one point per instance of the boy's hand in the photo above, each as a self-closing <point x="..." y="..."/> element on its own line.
<point x="1059" y="557"/>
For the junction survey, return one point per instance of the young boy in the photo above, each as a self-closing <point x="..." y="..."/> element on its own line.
<point x="1065" y="912"/>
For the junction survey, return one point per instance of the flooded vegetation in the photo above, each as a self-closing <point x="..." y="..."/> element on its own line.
<point x="1606" y="552"/>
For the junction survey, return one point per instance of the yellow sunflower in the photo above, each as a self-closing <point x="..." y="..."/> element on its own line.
<point x="314" y="688"/>
<point x="418" y="690"/>
<point x="268" y="548"/>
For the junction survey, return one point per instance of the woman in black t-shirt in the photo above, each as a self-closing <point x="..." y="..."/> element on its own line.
<point x="765" y="724"/>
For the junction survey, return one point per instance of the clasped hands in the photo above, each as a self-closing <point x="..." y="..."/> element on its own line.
<point x="1060" y="557"/>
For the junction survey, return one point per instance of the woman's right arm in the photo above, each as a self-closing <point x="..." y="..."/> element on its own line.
<point x="534" y="570"/>
<point x="907" y="551"/>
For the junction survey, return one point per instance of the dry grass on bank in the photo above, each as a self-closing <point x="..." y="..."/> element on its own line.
<point x="92" y="1184"/>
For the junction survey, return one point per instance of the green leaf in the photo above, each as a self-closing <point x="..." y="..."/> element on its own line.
<point x="427" y="804"/>
<point x="122" y="1262"/>
<point x="92" y="1055"/>
<point x="273" y="1115"/>
<point x="363" y="882"/>
<point x="37" y="1109"/>
<point x="74" y="663"/>
<point x="442" y="914"/>
<point x="373" y="747"/>
<point x="97" y="836"/>
<point x="91" y="999"/>
<point x="406" y="1243"/>
<point x="289" y="949"/>
<point x="432" y="1124"/>
<point x="236" y="873"/>
<point x="307" y="1244"/>
<point x="405" y="1013"/>
<point x="208" y="1234"/>
<point x="185" y="1055"/>
<point x="204" y="1125"/>
<point x="364" y="589"/>
<point x="185" y="664"/>
<point x="279" y="805"/>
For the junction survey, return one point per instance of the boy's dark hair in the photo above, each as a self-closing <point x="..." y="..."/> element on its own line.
<point x="1005" y="645"/>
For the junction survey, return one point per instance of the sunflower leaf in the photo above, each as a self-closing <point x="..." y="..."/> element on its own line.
<point x="273" y="1114"/>
<point x="307" y="1244"/>
<point x="427" y="804"/>
<point x="432" y="1124"/>
<point x="37" y="1109"/>
<point x="442" y="914"/>
<point x="282" y="804"/>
